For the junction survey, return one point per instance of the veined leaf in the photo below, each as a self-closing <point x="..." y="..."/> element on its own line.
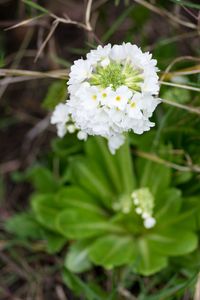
<point x="168" y="205"/>
<point x="112" y="250"/>
<point x="148" y="262"/>
<point x="46" y="210"/>
<point x="81" y="224"/>
<point x="86" y="173"/>
<point x="79" y="287"/>
<point x="43" y="179"/>
<point x="75" y="197"/>
<point x="24" y="225"/>
<point x="106" y="161"/>
<point x="77" y="257"/>
<point x="155" y="176"/>
<point x="55" y="242"/>
<point x="174" y="241"/>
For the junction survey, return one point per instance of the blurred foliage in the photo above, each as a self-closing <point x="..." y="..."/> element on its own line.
<point x="56" y="94"/>
<point x="81" y="208"/>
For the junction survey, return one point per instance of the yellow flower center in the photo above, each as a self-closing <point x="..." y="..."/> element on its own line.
<point x="118" y="98"/>
<point x="133" y="104"/>
<point x="104" y="95"/>
<point x="94" y="97"/>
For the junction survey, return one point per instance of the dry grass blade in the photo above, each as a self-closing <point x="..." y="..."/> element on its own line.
<point x="197" y="289"/>
<point x="186" y="71"/>
<point x="181" y="86"/>
<point x="190" y="109"/>
<point x="24" y="23"/>
<point x="126" y="294"/>
<point x="163" y="12"/>
<point x="157" y="159"/>
<point x="58" y="74"/>
<point x="87" y="14"/>
<point x="176" y="60"/>
<point x="53" y="28"/>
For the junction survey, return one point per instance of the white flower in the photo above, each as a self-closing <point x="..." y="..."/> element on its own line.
<point x="60" y="117"/>
<point x="121" y="97"/>
<point x="80" y="71"/>
<point x="100" y="54"/>
<point x="115" y="142"/>
<point x="134" y="107"/>
<point x="113" y="91"/>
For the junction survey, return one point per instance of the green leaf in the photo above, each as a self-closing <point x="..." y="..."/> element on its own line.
<point x="82" y="223"/>
<point x="86" y="173"/>
<point x="46" y="210"/>
<point x="79" y="287"/>
<point x="42" y="179"/>
<point x="156" y="177"/>
<point x="187" y="3"/>
<point x="77" y="257"/>
<point x="116" y="24"/>
<point x="55" y="95"/>
<point x="149" y="262"/>
<point x="168" y="205"/>
<point x="66" y="146"/>
<point x="182" y="177"/>
<point x="112" y="250"/>
<point x="173" y="242"/>
<point x="24" y="225"/>
<point x="36" y="6"/>
<point x="76" y="198"/>
<point x="106" y="161"/>
<point x="55" y="242"/>
<point x="182" y="96"/>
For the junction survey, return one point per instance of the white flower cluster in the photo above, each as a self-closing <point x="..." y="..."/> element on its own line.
<point x="144" y="203"/>
<point x="113" y="91"/>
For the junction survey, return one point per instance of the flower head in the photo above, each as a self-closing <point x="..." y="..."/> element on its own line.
<point x="113" y="91"/>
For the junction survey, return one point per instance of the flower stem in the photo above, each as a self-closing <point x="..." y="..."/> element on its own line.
<point x="126" y="168"/>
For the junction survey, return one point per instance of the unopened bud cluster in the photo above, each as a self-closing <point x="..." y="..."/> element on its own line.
<point x="144" y="204"/>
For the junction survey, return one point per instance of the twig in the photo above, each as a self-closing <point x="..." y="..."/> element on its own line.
<point x="9" y="166"/>
<point x="173" y="39"/>
<point x="181" y="86"/>
<point x="18" y="56"/>
<point x="157" y="159"/>
<point x="126" y="294"/>
<point x="182" y="106"/>
<point x="197" y="289"/>
<point x="24" y="22"/>
<point x="41" y="126"/>
<point x="176" y="60"/>
<point x="53" y="28"/>
<point x="14" y="266"/>
<point x="87" y="14"/>
<point x="163" y="12"/>
<point x="60" y="293"/>
<point x="60" y="74"/>
<point x="8" y="294"/>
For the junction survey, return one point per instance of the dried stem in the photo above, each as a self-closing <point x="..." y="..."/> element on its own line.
<point x="176" y="60"/>
<point x="165" y="13"/>
<point x="181" y="86"/>
<point x="157" y="159"/>
<point x="190" y="109"/>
